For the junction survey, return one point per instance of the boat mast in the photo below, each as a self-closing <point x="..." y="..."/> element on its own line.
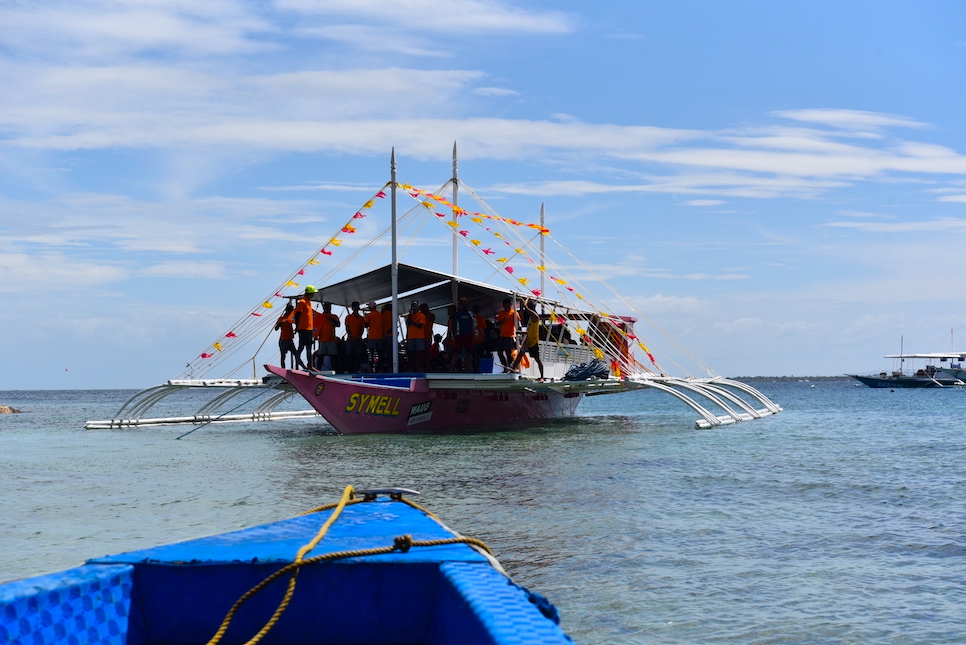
<point x="395" y="268"/>
<point x="543" y="258"/>
<point x="455" y="243"/>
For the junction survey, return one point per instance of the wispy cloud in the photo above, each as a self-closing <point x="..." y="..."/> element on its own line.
<point x="850" y="119"/>
<point x="934" y="225"/>
<point x="704" y="202"/>
<point x="459" y="17"/>
<point x="494" y="91"/>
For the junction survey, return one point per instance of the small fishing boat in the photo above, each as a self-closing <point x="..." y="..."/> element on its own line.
<point x="374" y="568"/>
<point x="928" y="375"/>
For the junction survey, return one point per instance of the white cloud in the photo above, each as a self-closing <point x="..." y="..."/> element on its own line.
<point x="108" y="29"/>
<point x="850" y="119"/>
<point x="933" y="225"/>
<point x="952" y="198"/>
<point x="450" y="17"/>
<point x="494" y="91"/>
<point x="182" y="269"/>
<point x="704" y="202"/>
<point x="740" y="326"/>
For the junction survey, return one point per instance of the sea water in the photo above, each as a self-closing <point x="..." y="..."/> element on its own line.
<point x="841" y="520"/>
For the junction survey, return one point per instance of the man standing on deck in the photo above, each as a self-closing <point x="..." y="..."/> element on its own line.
<point x="532" y="344"/>
<point x="325" y="333"/>
<point x="286" y="340"/>
<point x="355" y="347"/>
<point x="478" y="341"/>
<point x="375" y="334"/>
<point x="416" y="328"/>
<point x="462" y="329"/>
<point x="506" y="321"/>
<point x="304" y="325"/>
<point x="388" y="329"/>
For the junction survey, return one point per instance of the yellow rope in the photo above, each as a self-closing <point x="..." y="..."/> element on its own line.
<point x="401" y="543"/>
<point x="346" y="497"/>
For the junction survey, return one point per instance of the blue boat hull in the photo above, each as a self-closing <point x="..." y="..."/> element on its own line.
<point x="180" y="593"/>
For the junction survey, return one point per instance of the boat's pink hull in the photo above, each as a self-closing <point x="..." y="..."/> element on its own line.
<point x="353" y="407"/>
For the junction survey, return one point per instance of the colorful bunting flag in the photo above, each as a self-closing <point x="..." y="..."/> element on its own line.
<point x="254" y="314"/>
<point x="489" y="252"/>
<point x="267" y="305"/>
<point x="348" y="228"/>
<point x="464" y="233"/>
<point x="369" y="204"/>
<point x="475" y="242"/>
<point x="231" y="334"/>
<point x="301" y="272"/>
<point x="313" y="262"/>
<point x="291" y="284"/>
<point x="509" y="269"/>
<point x="324" y="252"/>
<point x="206" y="355"/>
<point x="358" y="216"/>
<point x="380" y="194"/>
<point x="217" y="346"/>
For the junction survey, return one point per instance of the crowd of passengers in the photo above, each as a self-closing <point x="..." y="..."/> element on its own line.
<point x="362" y="342"/>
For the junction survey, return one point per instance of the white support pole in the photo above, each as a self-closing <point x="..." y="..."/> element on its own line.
<point x="455" y="241"/>
<point x="543" y="257"/>
<point x="395" y="268"/>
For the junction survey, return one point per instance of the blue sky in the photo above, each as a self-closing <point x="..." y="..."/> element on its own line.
<point x="781" y="187"/>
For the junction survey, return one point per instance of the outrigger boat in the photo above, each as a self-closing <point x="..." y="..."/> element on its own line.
<point x="374" y="568"/>
<point x="606" y="356"/>
<point x="929" y="375"/>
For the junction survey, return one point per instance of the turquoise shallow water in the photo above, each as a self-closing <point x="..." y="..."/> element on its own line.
<point x="842" y="520"/>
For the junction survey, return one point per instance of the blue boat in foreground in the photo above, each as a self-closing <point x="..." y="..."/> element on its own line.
<point x="374" y="568"/>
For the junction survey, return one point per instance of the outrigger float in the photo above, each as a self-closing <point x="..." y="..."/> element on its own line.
<point x="514" y="255"/>
<point x="374" y="568"/>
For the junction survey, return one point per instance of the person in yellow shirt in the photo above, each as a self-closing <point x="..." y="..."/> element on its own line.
<point x="325" y="334"/>
<point x="305" y="325"/>
<point x="532" y="344"/>
<point x="355" y="347"/>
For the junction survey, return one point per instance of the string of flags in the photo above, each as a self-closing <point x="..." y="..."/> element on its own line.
<point x="502" y="259"/>
<point x="335" y="241"/>
<point x="425" y="197"/>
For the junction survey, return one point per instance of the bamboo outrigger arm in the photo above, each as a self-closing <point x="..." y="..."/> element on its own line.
<point x="132" y="413"/>
<point x="714" y="390"/>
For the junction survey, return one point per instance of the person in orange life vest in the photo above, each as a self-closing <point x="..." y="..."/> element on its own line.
<point x="355" y="347"/>
<point x="325" y="334"/>
<point x="388" y="330"/>
<point x="506" y="321"/>
<point x="463" y="331"/>
<point x="532" y="344"/>
<point x="286" y="340"/>
<point x="305" y="325"/>
<point x="374" y="336"/>
<point x="416" y="328"/>
<point x="478" y="345"/>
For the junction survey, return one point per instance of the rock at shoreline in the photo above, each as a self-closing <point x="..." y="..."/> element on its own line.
<point x="6" y="409"/>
